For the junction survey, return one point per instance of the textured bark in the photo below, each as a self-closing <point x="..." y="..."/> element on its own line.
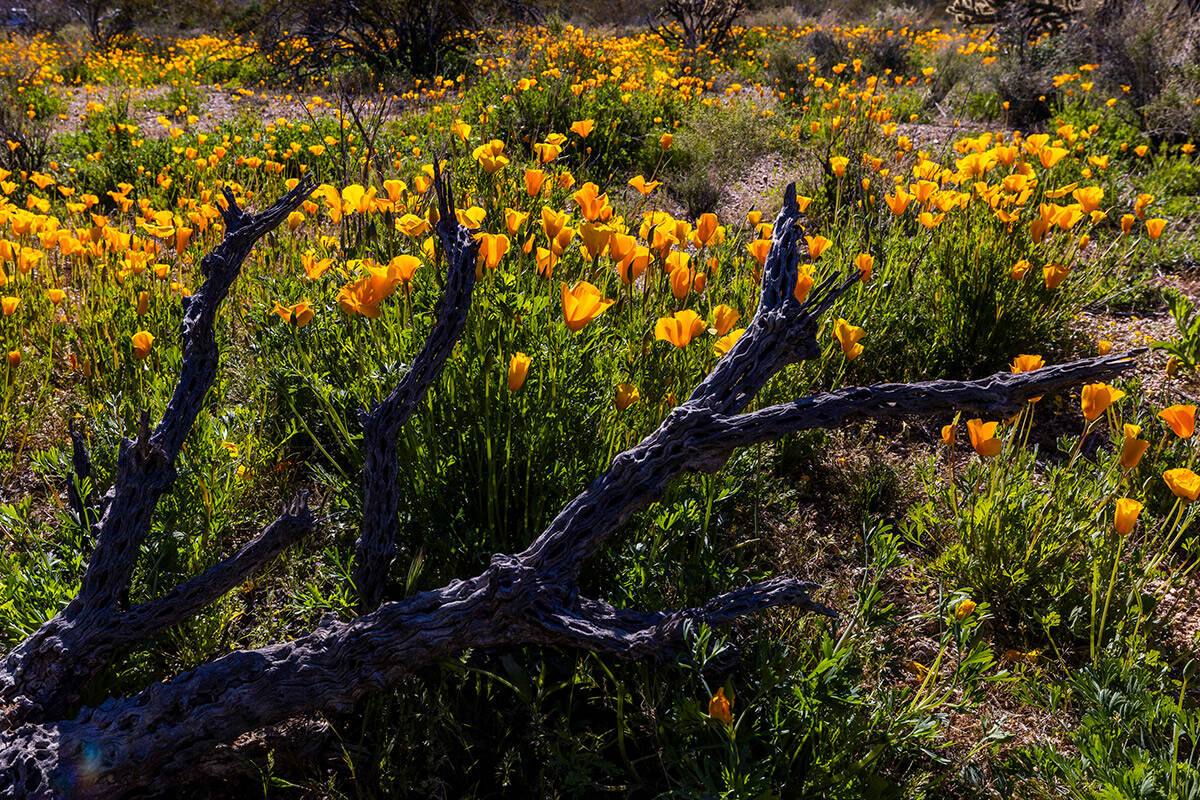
<point x="43" y="675"/>
<point x="381" y="425"/>
<point x="152" y="739"/>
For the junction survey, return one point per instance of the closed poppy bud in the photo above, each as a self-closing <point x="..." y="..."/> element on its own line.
<point x="627" y="395"/>
<point x="964" y="609"/>
<point x="863" y="263"/>
<point x="666" y="140"/>
<point x="1055" y="274"/>
<point x="8" y="304"/>
<point x="518" y="368"/>
<point x="948" y="435"/>
<point x="1184" y="483"/>
<point x="14" y="358"/>
<point x="983" y="437"/>
<point x="1133" y="448"/>
<point x="1096" y="398"/>
<point x="1172" y="367"/>
<point x="725" y="318"/>
<point x="1128" y="510"/>
<point x="142" y="341"/>
<point x="182" y="237"/>
<point x="1182" y="420"/>
<point x="700" y="283"/>
<point x="1127" y="221"/>
<point x="143" y="304"/>
<point x="534" y="178"/>
<point x="1154" y="227"/>
<point x="720" y="707"/>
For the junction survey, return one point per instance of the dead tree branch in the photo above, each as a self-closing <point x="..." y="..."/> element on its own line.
<point x="148" y="740"/>
<point x="43" y="676"/>
<point x="381" y="425"/>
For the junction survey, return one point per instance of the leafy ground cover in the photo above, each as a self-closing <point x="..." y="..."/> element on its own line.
<point x="1016" y="597"/>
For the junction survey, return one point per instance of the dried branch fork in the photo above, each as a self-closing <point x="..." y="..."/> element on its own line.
<point x="381" y="425"/>
<point x="147" y="740"/>
<point x="46" y="672"/>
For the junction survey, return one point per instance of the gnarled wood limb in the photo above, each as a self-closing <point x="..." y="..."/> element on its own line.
<point x="381" y="425"/>
<point x="143" y="741"/>
<point x="43" y="675"/>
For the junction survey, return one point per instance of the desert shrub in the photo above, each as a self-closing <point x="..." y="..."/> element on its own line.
<point x="416" y="37"/>
<point x="698" y="24"/>
<point x="1173" y="116"/>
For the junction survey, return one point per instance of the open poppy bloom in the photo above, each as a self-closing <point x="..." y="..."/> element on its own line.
<point x="534" y="178"/>
<point x="726" y="343"/>
<point x="983" y="437"/>
<point x="583" y="127"/>
<point x="1028" y="363"/>
<point x="364" y="295"/>
<point x="1184" y="483"/>
<point x="518" y="368"/>
<point x="804" y="282"/>
<point x="631" y="267"/>
<point x="1182" y="420"/>
<point x="581" y="304"/>
<point x="513" y="220"/>
<point x="680" y="328"/>
<point x="643" y="186"/>
<point x="848" y="336"/>
<point x="816" y="246"/>
<point x="299" y="315"/>
<point x="403" y="267"/>
<point x="1128" y="510"/>
<point x="1054" y="274"/>
<point x="1096" y="398"/>
<point x="708" y="232"/>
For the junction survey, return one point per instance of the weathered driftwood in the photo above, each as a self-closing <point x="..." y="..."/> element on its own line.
<point x="148" y="740"/>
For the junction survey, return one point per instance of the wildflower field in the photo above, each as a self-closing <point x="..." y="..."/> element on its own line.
<point x="1000" y="600"/>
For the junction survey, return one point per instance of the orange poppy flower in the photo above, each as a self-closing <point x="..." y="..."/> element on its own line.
<point x="983" y="437"/>
<point x="1096" y="398"/>
<point x="581" y="304"/>
<point x="680" y="328"/>
<point x="1184" y="483"/>
<point x="1182" y="419"/>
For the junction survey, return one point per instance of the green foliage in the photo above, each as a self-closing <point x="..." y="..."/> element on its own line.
<point x="1186" y="348"/>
